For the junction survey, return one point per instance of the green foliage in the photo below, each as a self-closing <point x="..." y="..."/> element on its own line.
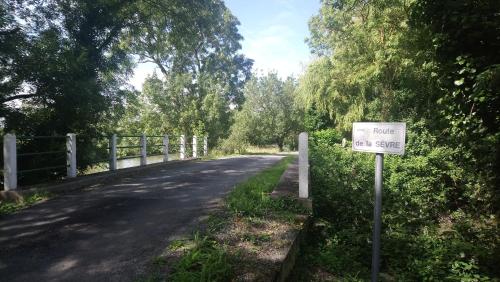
<point x="269" y="115"/>
<point x="195" y="46"/>
<point x="64" y="67"/>
<point x="326" y="137"/>
<point x="365" y="70"/>
<point x="434" y="65"/>
<point x="235" y="143"/>
<point x="7" y="207"/>
<point x="69" y="72"/>
<point x="435" y="226"/>
<point x="206" y="261"/>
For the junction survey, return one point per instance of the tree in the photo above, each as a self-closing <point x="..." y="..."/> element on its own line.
<point x="195" y="46"/>
<point x="269" y="115"/>
<point x="64" y="70"/>
<point x="12" y="53"/>
<point x="65" y="64"/>
<point x="435" y="66"/>
<point x="465" y="38"/>
<point x="196" y="37"/>
<point x="369" y="67"/>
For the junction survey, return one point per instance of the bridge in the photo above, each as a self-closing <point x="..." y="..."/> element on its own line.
<point x="11" y="154"/>
<point x="110" y="231"/>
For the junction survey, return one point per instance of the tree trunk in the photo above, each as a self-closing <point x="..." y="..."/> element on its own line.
<point x="280" y="145"/>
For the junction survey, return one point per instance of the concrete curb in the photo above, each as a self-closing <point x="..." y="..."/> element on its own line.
<point x="293" y="252"/>
<point x="78" y="183"/>
<point x="289" y="187"/>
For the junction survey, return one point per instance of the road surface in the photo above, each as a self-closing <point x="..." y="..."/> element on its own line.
<point x="111" y="233"/>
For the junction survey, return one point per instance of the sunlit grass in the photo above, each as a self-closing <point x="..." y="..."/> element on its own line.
<point x="211" y="259"/>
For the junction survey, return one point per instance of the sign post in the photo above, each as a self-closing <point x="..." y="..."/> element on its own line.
<point x="379" y="138"/>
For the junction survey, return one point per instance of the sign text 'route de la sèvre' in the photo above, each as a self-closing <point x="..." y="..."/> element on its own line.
<point x="379" y="137"/>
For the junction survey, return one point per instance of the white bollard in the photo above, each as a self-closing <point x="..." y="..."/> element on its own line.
<point x="165" y="148"/>
<point x="205" y="146"/>
<point x="71" y="155"/>
<point x="182" y="151"/>
<point x="9" y="162"/>
<point x="195" y="147"/>
<point x="144" y="157"/>
<point x="112" y="152"/>
<point x="303" y="166"/>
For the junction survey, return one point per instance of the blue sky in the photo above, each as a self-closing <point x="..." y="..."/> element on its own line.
<point x="274" y="32"/>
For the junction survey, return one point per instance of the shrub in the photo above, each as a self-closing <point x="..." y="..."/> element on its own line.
<point x="326" y="137"/>
<point x="436" y="224"/>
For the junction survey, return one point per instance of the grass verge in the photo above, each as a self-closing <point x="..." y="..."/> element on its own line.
<point x="248" y="233"/>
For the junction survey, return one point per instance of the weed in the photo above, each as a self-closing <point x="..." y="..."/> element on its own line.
<point x="11" y="207"/>
<point x="207" y="261"/>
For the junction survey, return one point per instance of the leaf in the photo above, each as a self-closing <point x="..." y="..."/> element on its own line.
<point x="459" y="82"/>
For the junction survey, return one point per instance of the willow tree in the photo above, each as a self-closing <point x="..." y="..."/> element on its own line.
<point x="366" y="69"/>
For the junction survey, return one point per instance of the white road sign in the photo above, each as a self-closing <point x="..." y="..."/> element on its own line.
<point x="379" y="137"/>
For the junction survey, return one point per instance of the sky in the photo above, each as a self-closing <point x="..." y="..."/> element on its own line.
<point x="274" y="33"/>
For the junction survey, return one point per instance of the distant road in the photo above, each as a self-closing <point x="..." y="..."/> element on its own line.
<point x="111" y="233"/>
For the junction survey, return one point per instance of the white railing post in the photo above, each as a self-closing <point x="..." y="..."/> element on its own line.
<point x="144" y="159"/>
<point x="205" y="146"/>
<point x="303" y="166"/>
<point x="195" y="147"/>
<point x="112" y="152"/>
<point x="71" y="155"/>
<point x="9" y="162"/>
<point x="165" y="148"/>
<point x="182" y="151"/>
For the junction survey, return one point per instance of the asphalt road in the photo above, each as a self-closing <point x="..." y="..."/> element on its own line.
<point x="112" y="233"/>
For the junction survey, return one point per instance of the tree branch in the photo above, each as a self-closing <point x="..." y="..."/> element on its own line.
<point x="16" y="97"/>
<point x="111" y="36"/>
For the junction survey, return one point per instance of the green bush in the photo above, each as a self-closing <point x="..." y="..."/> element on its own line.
<point x="233" y="144"/>
<point x="326" y="137"/>
<point x="436" y="221"/>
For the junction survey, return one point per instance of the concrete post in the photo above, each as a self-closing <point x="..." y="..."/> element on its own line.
<point x="112" y="152"/>
<point x="195" y="147"/>
<point x="205" y="146"/>
<point x="165" y="148"/>
<point x="71" y="155"/>
<point x="182" y="151"/>
<point x="303" y="166"/>
<point x="9" y="162"/>
<point x="144" y="157"/>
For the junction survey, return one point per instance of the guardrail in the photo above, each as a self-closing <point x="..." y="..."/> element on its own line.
<point x="11" y="156"/>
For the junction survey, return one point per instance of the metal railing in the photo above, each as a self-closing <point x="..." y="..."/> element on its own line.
<point x="61" y="153"/>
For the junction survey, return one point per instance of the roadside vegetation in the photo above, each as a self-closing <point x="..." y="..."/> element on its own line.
<point x="417" y="62"/>
<point x="237" y="239"/>
<point x="10" y="206"/>
<point x="432" y="64"/>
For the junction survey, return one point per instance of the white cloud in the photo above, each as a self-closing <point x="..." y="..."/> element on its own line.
<point x="273" y="48"/>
